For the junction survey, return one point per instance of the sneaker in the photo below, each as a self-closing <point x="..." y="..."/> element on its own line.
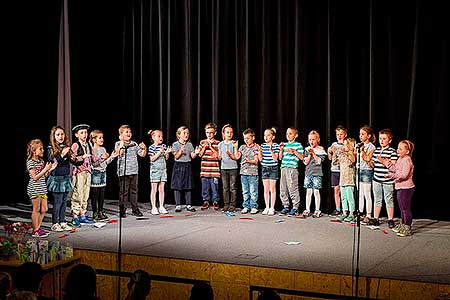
<point x="136" y="212"/>
<point x="271" y="212"/>
<point x="178" y="208"/>
<point x="190" y="208"/>
<point x="155" y="211"/>
<point x="376" y="222"/>
<point x="336" y="213"/>
<point x="162" y="210"/>
<point x="365" y="220"/>
<point x="342" y="216"/>
<point x="317" y="214"/>
<point x="397" y="227"/>
<point x="284" y="211"/>
<point x="294" y="212"/>
<point x="39" y="233"/>
<point x="232" y="209"/>
<point x="244" y="210"/>
<point x="96" y="216"/>
<point x="205" y="205"/>
<point x="265" y="211"/>
<point x="65" y="227"/>
<point x="405" y="231"/>
<point x="85" y="220"/>
<point x="75" y="222"/>
<point x="391" y="224"/>
<point x="254" y="211"/>
<point x="350" y="218"/>
<point x="306" y="213"/>
<point x="56" y="228"/>
<point x="103" y="216"/>
<point x="216" y="206"/>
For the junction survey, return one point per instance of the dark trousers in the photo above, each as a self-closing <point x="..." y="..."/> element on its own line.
<point x="59" y="207"/>
<point x="229" y="186"/>
<point x="404" y="197"/>
<point x="97" y="195"/>
<point x="187" y="196"/>
<point x="128" y="191"/>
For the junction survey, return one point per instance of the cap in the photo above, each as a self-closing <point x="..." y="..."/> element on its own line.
<point x="78" y="127"/>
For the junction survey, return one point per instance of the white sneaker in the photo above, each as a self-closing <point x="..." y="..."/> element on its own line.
<point x="162" y="210"/>
<point x="254" y="211"/>
<point x="244" y="211"/>
<point x="271" y="212"/>
<point x="155" y="211"/>
<point x="65" y="227"/>
<point x="56" y="227"/>
<point x="265" y="211"/>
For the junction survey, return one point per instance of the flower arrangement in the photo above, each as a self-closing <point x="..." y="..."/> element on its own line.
<point x="13" y="243"/>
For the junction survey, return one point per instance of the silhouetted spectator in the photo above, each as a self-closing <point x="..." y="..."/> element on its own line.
<point x="27" y="280"/>
<point x="202" y="290"/>
<point x="5" y="285"/>
<point x="139" y="285"/>
<point x="268" y="294"/>
<point x="81" y="283"/>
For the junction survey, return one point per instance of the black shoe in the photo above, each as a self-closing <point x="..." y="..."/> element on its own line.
<point x="103" y="216"/>
<point x="123" y="212"/>
<point x="137" y="213"/>
<point x="190" y="208"/>
<point x="336" y="213"/>
<point x="391" y="224"/>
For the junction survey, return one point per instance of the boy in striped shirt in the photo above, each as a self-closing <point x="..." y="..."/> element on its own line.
<point x="290" y="154"/>
<point x="209" y="167"/>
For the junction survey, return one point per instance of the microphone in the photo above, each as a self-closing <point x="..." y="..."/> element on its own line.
<point x="360" y="145"/>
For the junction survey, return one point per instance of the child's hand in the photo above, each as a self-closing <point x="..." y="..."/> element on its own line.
<point x="197" y="150"/>
<point x="115" y="153"/>
<point x="142" y="146"/>
<point x="281" y="146"/>
<point x="53" y="166"/>
<point x="229" y="154"/>
<point x="86" y="155"/>
<point x="169" y="150"/>
<point x="382" y="160"/>
<point x="235" y="143"/>
<point x="182" y="149"/>
<point x="64" y="151"/>
<point x="105" y="156"/>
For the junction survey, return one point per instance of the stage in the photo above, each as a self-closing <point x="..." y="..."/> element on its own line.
<point x="316" y="245"/>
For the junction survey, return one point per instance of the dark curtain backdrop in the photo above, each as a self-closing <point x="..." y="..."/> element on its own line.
<point x="250" y="63"/>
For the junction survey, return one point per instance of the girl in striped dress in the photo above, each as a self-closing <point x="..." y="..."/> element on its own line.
<point x="36" y="189"/>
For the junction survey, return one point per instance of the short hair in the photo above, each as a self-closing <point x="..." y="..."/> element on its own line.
<point x="81" y="283"/>
<point x="340" y="127"/>
<point x="123" y="127"/>
<point x="387" y="132"/>
<point x="249" y="131"/>
<point x="180" y="129"/>
<point x="95" y="133"/>
<point x="28" y="277"/>
<point x="201" y="290"/>
<point x="211" y="125"/>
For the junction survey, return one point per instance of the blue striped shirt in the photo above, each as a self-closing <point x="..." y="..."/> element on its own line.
<point x="267" y="159"/>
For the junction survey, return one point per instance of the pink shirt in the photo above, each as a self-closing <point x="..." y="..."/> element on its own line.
<point x="402" y="172"/>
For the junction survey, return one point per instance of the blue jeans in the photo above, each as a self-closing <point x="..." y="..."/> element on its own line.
<point x="250" y="191"/>
<point x="59" y="207"/>
<point x="210" y="189"/>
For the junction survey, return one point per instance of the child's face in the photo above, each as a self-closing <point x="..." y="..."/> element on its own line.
<point x="82" y="135"/>
<point x="39" y="151"/>
<point x="248" y="139"/>
<point x="313" y="140"/>
<point x="59" y="136"/>
<point x="340" y="135"/>
<point x="99" y="140"/>
<point x="228" y="134"/>
<point x="402" y="150"/>
<point x="126" y="135"/>
<point x="268" y="136"/>
<point x="184" y="135"/>
<point x="210" y="133"/>
<point x="384" y="140"/>
<point x="157" y="137"/>
<point x="291" y="135"/>
<point x="363" y="135"/>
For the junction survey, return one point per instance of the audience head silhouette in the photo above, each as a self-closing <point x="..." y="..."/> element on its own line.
<point x="202" y="290"/>
<point x="5" y="285"/>
<point x="81" y="283"/>
<point x="268" y="294"/>
<point x="28" y="277"/>
<point x="139" y="285"/>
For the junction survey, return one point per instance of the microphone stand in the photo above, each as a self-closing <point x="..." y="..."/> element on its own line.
<point x="357" y="231"/>
<point x="119" y="247"/>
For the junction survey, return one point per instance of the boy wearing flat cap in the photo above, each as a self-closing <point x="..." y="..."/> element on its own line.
<point x="81" y="175"/>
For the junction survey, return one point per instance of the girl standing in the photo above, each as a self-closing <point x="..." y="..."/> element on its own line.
<point x="269" y="163"/>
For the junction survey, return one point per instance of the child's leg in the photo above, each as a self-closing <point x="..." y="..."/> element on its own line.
<point x="62" y="207"/>
<point x="309" y="193"/>
<point x="284" y="189"/>
<point x="215" y="190"/>
<point x="154" y="186"/>
<point x="161" y="193"/>
<point x="367" y="194"/>
<point x="57" y="203"/>
<point x="317" y="198"/>
<point x="94" y="195"/>
<point x="388" y="191"/>
<point x="206" y="186"/>
<point x="188" y="197"/>
<point x="43" y="209"/>
<point x="245" y="183"/>
<point x="225" y="176"/>
<point x="273" y="193"/>
<point x="253" y="186"/>
<point x="294" y="191"/>
<point x="101" y="199"/>
<point x="177" y="195"/>
<point x="337" y="197"/>
<point x="266" y="184"/>
<point x="35" y="214"/>
<point x="378" y="198"/>
<point x="344" y="198"/>
<point x="404" y="198"/>
<point x="351" y="199"/>
<point x="233" y="187"/>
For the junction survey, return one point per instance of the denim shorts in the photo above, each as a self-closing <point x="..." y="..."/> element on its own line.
<point x="312" y="182"/>
<point x="98" y="178"/>
<point x="158" y="175"/>
<point x="270" y="173"/>
<point x="365" y="176"/>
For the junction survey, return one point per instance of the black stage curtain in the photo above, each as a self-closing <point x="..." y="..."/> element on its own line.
<point x="251" y="63"/>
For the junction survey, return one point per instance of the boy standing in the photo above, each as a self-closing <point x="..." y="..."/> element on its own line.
<point x="209" y="167"/>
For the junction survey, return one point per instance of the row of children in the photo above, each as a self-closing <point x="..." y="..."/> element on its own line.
<point x="219" y="161"/>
